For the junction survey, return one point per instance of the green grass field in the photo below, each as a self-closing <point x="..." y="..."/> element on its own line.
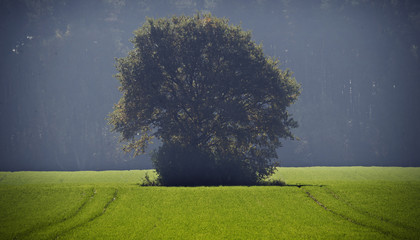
<point x="318" y="203"/>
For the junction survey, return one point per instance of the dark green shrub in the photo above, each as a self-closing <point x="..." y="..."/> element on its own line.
<point x="179" y="165"/>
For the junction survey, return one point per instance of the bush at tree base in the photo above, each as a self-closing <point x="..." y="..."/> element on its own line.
<point x="179" y="165"/>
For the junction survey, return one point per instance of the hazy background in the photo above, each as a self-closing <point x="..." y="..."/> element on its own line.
<point x="357" y="60"/>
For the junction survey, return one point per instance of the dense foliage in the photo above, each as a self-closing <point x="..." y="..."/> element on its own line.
<point x="204" y="88"/>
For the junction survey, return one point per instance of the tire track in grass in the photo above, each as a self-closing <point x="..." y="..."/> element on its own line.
<point x="44" y="226"/>
<point x="369" y="214"/>
<point x="111" y="200"/>
<point x="349" y="219"/>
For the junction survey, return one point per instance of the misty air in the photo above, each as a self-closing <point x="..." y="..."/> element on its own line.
<point x="317" y="100"/>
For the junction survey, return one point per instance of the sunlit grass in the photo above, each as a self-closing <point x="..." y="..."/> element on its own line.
<point x="25" y="209"/>
<point x="332" y="175"/>
<point x="319" y="203"/>
<point x="218" y="212"/>
<point x="388" y="207"/>
<point x="81" y="177"/>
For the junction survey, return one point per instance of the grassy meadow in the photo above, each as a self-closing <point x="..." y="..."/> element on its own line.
<point x="318" y="203"/>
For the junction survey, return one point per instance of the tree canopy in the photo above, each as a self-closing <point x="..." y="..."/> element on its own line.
<point x="202" y="83"/>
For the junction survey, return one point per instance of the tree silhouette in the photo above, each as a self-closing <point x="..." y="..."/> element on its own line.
<point x="204" y="88"/>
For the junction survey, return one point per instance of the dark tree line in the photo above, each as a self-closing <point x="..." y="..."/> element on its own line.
<point x="357" y="61"/>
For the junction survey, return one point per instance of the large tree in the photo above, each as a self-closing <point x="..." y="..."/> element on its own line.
<point x="207" y="91"/>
